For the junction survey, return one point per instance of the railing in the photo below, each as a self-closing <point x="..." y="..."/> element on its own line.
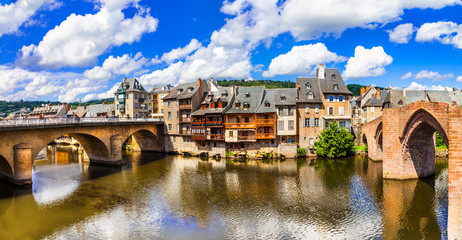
<point x="265" y="121"/>
<point x="265" y="136"/>
<point x="185" y="106"/>
<point x="240" y="125"/>
<point x="214" y="123"/>
<point x="185" y="132"/>
<point x="198" y="137"/>
<point x="185" y="119"/>
<point x="246" y="138"/>
<point x="74" y="121"/>
<point x="216" y="137"/>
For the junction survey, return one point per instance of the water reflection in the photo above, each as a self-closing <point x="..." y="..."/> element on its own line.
<point x="176" y="197"/>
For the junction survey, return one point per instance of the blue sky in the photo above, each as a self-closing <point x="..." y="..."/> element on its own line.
<point x="79" y="50"/>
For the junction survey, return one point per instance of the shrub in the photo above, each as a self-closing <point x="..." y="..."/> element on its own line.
<point x="229" y="153"/>
<point x="334" y="142"/>
<point x="301" y="152"/>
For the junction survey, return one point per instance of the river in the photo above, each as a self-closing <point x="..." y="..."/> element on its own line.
<point x="157" y="196"/>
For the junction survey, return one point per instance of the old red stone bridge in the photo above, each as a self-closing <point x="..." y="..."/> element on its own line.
<point x="404" y="139"/>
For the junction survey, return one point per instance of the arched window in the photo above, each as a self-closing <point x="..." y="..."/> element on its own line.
<point x="310" y="95"/>
<point x="246" y="105"/>
<point x="335" y="86"/>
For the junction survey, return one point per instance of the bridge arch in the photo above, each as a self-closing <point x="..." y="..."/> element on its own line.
<point x="379" y="140"/>
<point x="418" y="144"/>
<point x="6" y="170"/>
<point x="144" y="140"/>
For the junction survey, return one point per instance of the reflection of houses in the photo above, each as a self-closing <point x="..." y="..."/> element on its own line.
<point x="207" y="127"/>
<point x="100" y="110"/>
<point x="240" y="118"/>
<point x="285" y="101"/>
<point x="48" y="111"/>
<point x="131" y="99"/>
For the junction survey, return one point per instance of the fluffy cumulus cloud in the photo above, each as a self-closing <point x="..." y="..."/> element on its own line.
<point x="80" y="39"/>
<point x="443" y="32"/>
<point x="367" y="63"/>
<point x="65" y="86"/>
<point x="434" y="76"/>
<point x="301" y="59"/>
<point x="13" y="15"/>
<point x="417" y="86"/>
<point x="182" y="52"/>
<point x="459" y="79"/>
<point x="407" y="75"/>
<point x="114" y="66"/>
<point x="402" y="33"/>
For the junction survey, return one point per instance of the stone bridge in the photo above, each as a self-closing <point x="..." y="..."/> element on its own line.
<point x="404" y="138"/>
<point x="102" y="141"/>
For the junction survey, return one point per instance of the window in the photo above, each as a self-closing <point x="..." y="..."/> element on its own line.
<point x="128" y="107"/>
<point x="169" y="103"/>
<point x="400" y="102"/>
<point x="340" y="111"/>
<point x="281" y="125"/>
<point x="177" y="114"/>
<point x="170" y="127"/>
<point x="174" y="139"/>
<point x="231" y="133"/>
<point x="247" y="95"/>
<point x="178" y="127"/>
<point x="291" y="111"/>
<point x="169" y="114"/>
<point x="212" y="104"/>
<point x="311" y="142"/>
<point x="310" y="95"/>
<point x="308" y="85"/>
<point x="246" y="105"/>
<point x="307" y="108"/>
<point x="335" y="86"/>
<point x="267" y="104"/>
<point x="237" y="104"/>
<point x="330" y="111"/>
<point x="316" y="122"/>
<point x="291" y="125"/>
<point x="333" y="76"/>
<point x="306" y="122"/>
<point x="281" y="111"/>
<point x="162" y="110"/>
<point x="283" y="98"/>
<point x="372" y="109"/>
<point x="316" y="108"/>
<point x="341" y="98"/>
<point x="289" y="139"/>
<point x="330" y="98"/>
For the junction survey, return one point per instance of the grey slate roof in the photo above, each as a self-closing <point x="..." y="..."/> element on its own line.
<point x="80" y="111"/>
<point x="396" y="95"/>
<point x="162" y="88"/>
<point x="131" y="85"/>
<point x="332" y="78"/>
<point x="94" y="110"/>
<point x="289" y="94"/>
<point x="187" y="90"/>
<point x="314" y="87"/>
<point x="269" y="96"/>
<point x="215" y="96"/>
<point x="254" y="100"/>
<point x="377" y="102"/>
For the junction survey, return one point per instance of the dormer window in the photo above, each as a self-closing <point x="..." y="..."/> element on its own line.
<point x="283" y="98"/>
<point x="190" y="89"/>
<point x="400" y="103"/>
<point x="310" y="95"/>
<point x="237" y="104"/>
<point x="333" y="76"/>
<point x="246" y="105"/>
<point x="247" y="95"/>
<point x="308" y="86"/>
<point x="224" y="95"/>
<point x="267" y="104"/>
<point x="179" y="90"/>
<point x="212" y="104"/>
<point x="335" y="86"/>
<point x="204" y="106"/>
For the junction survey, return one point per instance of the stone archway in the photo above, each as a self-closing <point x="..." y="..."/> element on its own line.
<point x="418" y="145"/>
<point x="145" y="141"/>
<point x="5" y="168"/>
<point x="379" y="140"/>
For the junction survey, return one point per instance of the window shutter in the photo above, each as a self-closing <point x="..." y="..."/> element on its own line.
<point x="312" y="122"/>
<point x="307" y="108"/>
<point x="304" y="122"/>
<point x="320" y="122"/>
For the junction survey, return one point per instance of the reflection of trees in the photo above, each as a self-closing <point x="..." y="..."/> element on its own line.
<point x="335" y="173"/>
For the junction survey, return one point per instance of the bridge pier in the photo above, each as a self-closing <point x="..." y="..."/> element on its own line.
<point x="115" y="154"/>
<point x="22" y="154"/>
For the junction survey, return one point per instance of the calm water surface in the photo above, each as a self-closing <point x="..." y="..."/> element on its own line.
<point x="157" y="196"/>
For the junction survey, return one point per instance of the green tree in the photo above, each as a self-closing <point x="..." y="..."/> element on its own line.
<point x="334" y="142"/>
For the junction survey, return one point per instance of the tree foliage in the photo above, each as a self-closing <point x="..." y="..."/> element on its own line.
<point x="439" y="141"/>
<point x="334" y="142"/>
<point x="356" y="88"/>
<point x="301" y="152"/>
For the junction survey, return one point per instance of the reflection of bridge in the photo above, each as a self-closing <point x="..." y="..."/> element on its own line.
<point x="404" y="139"/>
<point x="102" y="140"/>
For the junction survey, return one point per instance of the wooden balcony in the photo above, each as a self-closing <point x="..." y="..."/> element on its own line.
<point x="266" y="136"/>
<point x="240" y="125"/>
<point x="214" y="124"/>
<point x="198" y="137"/>
<point x="266" y="122"/>
<point x="185" y="132"/>
<point x="185" y="107"/>
<point x="216" y="137"/>
<point x="246" y="138"/>
<point x="185" y="119"/>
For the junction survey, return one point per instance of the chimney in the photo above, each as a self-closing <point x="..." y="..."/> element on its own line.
<point x="199" y="84"/>
<point x="84" y="106"/>
<point x="67" y="107"/>
<point x="367" y="88"/>
<point x="404" y="92"/>
<point x="298" y="89"/>
<point x="363" y="90"/>
<point x="378" y="93"/>
<point x="321" y="71"/>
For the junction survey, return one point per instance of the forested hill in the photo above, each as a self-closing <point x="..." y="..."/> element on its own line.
<point x="356" y="88"/>
<point x="7" y="107"/>
<point x="266" y="83"/>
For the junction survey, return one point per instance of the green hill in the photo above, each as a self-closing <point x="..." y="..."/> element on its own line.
<point x="266" y="83"/>
<point x="356" y="88"/>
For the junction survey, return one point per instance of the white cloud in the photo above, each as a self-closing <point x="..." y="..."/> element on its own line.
<point x="401" y="33"/>
<point x="13" y="15"/>
<point x="80" y="39"/>
<point x="310" y="19"/>
<point x="107" y="94"/>
<point x="407" y="75"/>
<point x="114" y="66"/>
<point x="180" y="53"/>
<point x="459" y="79"/>
<point x="301" y="59"/>
<point x="443" y="32"/>
<point x="434" y="76"/>
<point x="417" y="86"/>
<point x="367" y="63"/>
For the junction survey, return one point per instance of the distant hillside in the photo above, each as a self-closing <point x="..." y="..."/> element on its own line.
<point x="266" y="83"/>
<point x="356" y="88"/>
<point x="7" y="107"/>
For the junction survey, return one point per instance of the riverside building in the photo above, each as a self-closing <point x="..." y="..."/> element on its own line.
<point x="131" y="99"/>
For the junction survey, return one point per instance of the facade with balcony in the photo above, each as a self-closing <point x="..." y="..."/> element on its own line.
<point x="157" y="94"/>
<point x="131" y="100"/>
